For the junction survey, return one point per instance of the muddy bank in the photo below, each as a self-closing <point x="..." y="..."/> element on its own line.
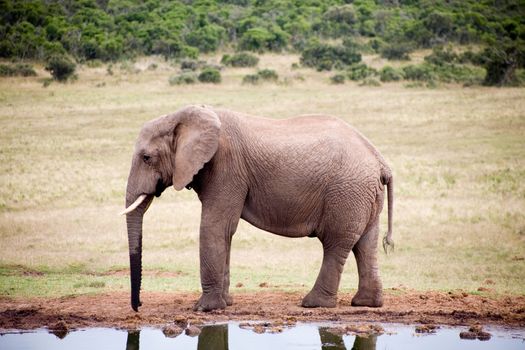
<point x="113" y="310"/>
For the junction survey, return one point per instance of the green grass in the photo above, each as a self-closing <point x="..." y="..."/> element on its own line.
<point x="65" y="150"/>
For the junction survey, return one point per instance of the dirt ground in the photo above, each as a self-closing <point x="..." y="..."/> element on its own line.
<point x="113" y="310"/>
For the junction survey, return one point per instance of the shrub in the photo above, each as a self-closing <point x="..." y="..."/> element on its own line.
<point x="388" y="74"/>
<point x="360" y="71"/>
<point x="25" y="70"/>
<point x="396" y="51"/>
<point x="262" y="75"/>
<point x="338" y="21"/>
<point x="338" y="79"/>
<point x="268" y="75"/>
<point x="6" y="71"/>
<point x="420" y="72"/>
<point x="207" y="38"/>
<point x="20" y="69"/>
<point x="370" y="82"/>
<point x="261" y="39"/>
<point x="441" y="56"/>
<point x="241" y="59"/>
<point x="210" y="75"/>
<point x="446" y="73"/>
<point x="189" y="65"/>
<point x="183" y="79"/>
<point x="501" y="63"/>
<point x="251" y="79"/>
<point x="60" y="67"/>
<point x="325" y="56"/>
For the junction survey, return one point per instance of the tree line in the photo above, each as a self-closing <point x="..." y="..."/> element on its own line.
<point x="110" y="30"/>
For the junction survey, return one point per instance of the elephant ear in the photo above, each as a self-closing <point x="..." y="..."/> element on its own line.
<point x="197" y="139"/>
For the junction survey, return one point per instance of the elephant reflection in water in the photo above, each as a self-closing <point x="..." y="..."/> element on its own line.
<point x="211" y="337"/>
<point x="133" y="340"/>
<point x="330" y="341"/>
<point x="216" y="337"/>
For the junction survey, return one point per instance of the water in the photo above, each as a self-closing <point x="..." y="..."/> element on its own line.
<point x="231" y="336"/>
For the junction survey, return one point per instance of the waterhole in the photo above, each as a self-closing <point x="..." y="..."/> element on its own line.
<point x="262" y="336"/>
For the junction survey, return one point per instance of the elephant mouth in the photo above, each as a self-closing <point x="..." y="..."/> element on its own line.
<point x="159" y="188"/>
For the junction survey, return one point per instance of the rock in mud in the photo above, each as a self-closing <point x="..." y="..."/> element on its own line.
<point x="427" y="328"/>
<point x="172" y="330"/>
<point x="475" y="332"/>
<point x="180" y="321"/>
<point x="467" y="335"/>
<point x="193" y="331"/>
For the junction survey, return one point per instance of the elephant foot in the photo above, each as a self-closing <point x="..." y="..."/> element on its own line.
<point x="209" y="302"/>
<point x="228" y="299"/>
<point x="370" y="299"/>
<point x="314" y="299"/>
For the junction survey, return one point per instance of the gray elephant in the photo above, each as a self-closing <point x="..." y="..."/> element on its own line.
<point x="309" y="176"/>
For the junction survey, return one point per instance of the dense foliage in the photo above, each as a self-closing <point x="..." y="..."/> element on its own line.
<point x="114" y="29"/>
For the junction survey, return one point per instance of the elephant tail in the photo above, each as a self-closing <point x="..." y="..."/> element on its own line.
<point x="388" y="180"/>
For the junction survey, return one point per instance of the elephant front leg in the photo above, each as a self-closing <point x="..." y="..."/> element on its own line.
<point x="226" y="284"/>
<point x="217" y="228"/>
<point x="212" y="249"/>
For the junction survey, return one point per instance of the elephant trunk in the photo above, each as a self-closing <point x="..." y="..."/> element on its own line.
<point x="134" y="225"/>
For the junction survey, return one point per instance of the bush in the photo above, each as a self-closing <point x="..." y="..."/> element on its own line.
<point x="396" y="51"/>
<point x="192" y="65"/>
<point x="262" y="75"/>
<point x="441" y="56"/>
<point x="338" y="79"/>
<point x="6" y="71"/>
<point x="360" y="71"/>
<point x="388" y="74"/>
<point x="268" y="75"/>
<point x="446" y="73"/>
<point x="421" y="72"/>
<point x="20" y="69"/>
<point x="261" y="39"/>
<point x="210" y="75"/>
<point x="502" y="62"/>
<point x="183" y="79"/>
<point x="241" y="59"/>
<point x="325" y="56"/>
<point x="370" y="82"/>
<point x="251" y="79"/>
<point x="60" y="67"/>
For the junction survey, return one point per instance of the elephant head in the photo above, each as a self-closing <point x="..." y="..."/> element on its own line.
<point x="170" y="150"/>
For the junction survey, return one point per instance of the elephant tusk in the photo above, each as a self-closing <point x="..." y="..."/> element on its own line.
<point x="134" y="205"/>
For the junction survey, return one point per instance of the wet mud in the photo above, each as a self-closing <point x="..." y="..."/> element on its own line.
<point x="277" y="308"/>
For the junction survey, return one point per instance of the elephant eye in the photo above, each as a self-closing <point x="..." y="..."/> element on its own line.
<point x="146" y="158"/>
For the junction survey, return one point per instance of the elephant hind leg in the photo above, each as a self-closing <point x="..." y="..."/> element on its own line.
<point x="370" y="290"/>
<point x="324" y="292"/>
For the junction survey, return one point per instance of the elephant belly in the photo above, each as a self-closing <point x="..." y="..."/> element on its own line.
<point x="284" y="217"/>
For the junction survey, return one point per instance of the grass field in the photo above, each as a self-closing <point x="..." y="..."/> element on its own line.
<point x="458" y="156"/>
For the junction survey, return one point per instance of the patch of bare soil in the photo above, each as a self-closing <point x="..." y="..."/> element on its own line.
<point x="113" y="310"/>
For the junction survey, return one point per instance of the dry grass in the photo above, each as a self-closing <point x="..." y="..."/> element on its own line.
<point x="457" y="155"/>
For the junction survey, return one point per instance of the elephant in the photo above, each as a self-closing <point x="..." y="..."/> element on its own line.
<point x="308" y="176"/>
